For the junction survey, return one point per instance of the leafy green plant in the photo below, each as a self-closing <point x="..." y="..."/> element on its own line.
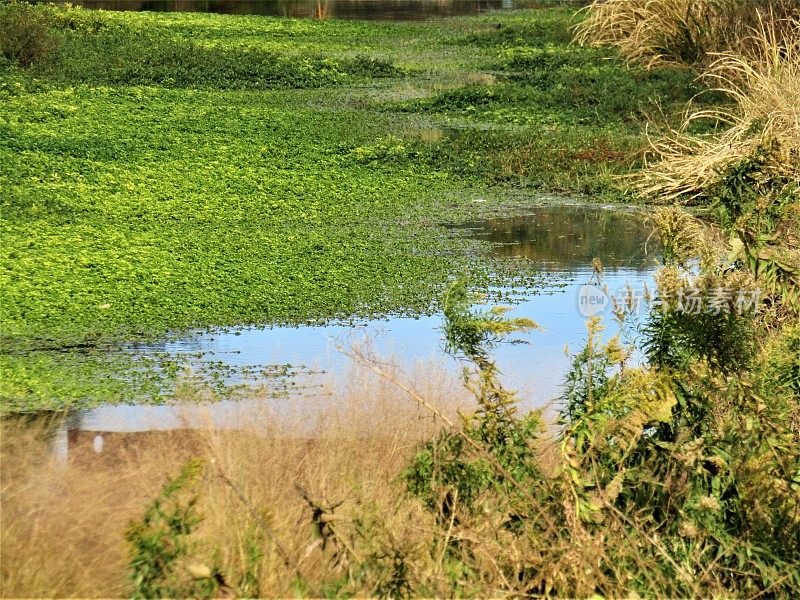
<point x="763" y="215"/>
<point x="249" y="581"/>
<point x="447" y="470"/>
<point x="160" y="546"/>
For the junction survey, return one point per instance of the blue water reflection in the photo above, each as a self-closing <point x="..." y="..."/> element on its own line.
<point x="561" y="240"/>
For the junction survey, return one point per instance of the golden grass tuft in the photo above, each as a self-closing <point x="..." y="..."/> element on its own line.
<point x="765" y="86"/>
<point x="652" y="32"/>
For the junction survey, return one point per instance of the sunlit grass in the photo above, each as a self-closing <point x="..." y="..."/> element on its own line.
<point x="765" y="85"/>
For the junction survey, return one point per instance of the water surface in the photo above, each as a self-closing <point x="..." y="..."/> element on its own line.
<point x="372" y="10"/>
<point x="560" y="240"/>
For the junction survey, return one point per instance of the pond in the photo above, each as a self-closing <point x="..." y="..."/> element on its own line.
<point x="561" y="240"/>
<point x="372" y="10"/>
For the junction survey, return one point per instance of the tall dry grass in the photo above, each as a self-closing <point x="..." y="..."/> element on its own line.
<point x="764" y="84"/>
<point x="652" y="32"/>
<point x="62" y="531"/>
<point x="63" y="524"/>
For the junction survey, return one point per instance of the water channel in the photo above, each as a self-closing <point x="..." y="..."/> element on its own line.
<point x="560" y="240"/>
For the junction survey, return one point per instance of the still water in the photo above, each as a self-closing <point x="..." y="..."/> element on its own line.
<point x="560" y="240"/>
<point x="371" y="10"/>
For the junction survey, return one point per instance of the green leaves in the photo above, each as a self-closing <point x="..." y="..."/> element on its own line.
<point x="185" y="226"/>
<point x="160" y="543"/>
<point x="474" y="333"/>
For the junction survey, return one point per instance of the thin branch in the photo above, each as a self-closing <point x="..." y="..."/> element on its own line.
<point x="501" y="470"/>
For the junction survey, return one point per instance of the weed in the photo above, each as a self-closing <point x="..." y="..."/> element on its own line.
<point x="766" y="89"/>
<point x="159" y="544"/>
<point x="26" y="36"/>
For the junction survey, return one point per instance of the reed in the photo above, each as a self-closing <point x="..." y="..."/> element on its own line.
<point x="653" y="32"/>
<point x="764" y="85"/>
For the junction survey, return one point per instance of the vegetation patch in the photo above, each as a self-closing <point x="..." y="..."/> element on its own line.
<point x="554" y="115"/>
<point x="74" y="46"/>
<point x="168" y="171"/>
<point x="130" y="210"/>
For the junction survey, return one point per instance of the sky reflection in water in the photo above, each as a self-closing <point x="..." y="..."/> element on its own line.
<point x="560" y="240"/>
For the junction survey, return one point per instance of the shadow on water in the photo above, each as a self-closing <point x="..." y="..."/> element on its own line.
<point x="561" y="240"/>
<point x="371" y="10"/>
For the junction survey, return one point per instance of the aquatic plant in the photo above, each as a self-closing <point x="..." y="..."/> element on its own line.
<point x="216" y="186"/>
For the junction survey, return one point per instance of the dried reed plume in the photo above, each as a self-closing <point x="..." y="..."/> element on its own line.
<point x="652" y="32"/>
<point x="765" y="86"/>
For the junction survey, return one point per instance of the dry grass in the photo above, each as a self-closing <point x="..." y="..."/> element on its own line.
<point x="765" y="85"/>
<point x="63" y="524"/>
<point x="652" y="32"/>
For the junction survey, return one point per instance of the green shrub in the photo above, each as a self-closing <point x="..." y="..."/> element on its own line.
<point x="448" y="469"/>
<point x="26" y="34"/>
<point x="779" y="368"/>
<point x="685" y="473"/>
<point x="160" y="544"/>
